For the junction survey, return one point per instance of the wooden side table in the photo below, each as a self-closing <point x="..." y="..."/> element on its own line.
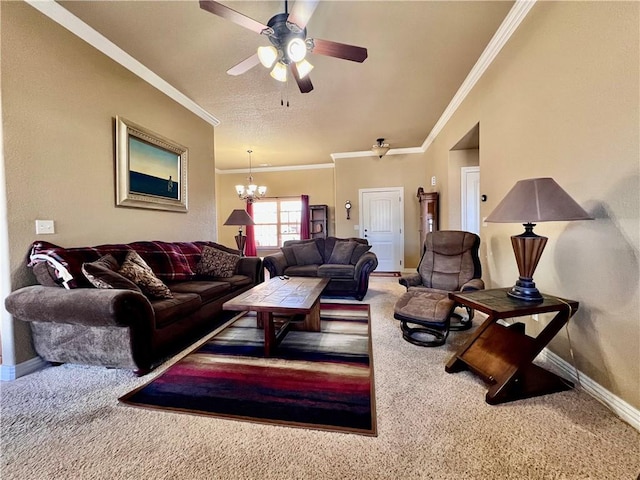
<point x="503" y="355"/>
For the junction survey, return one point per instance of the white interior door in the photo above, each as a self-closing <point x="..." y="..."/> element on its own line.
<point x="470" y="188"/>
<point x="382" y="224"/>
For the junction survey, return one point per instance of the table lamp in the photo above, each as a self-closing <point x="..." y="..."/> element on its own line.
<point x="531" y="201"/>
<point x="240" y="217"/>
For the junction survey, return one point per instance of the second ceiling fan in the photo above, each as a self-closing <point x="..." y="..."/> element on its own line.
<point x="289" y="43"/>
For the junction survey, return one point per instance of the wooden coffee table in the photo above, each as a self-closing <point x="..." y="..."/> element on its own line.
<point x="291" y="296"/>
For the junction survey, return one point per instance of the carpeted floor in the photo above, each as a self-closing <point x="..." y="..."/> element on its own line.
<point x="66" y="423"/>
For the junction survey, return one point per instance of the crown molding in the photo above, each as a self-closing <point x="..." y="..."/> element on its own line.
<point x="65" y="18"/>
<point x="277" y="169"/>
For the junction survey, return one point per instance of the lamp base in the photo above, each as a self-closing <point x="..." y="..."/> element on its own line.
<point x="525" y="289"/>
<point x="241" y="241"/>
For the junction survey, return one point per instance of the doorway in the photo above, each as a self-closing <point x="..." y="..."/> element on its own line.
<point x="382" y="224"/>
<point x="470" y="200"/>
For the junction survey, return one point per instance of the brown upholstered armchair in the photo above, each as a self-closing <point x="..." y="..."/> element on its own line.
<point x="449" y="263"/>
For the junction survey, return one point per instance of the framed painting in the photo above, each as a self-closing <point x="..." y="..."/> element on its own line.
<point x="151" y="170"/>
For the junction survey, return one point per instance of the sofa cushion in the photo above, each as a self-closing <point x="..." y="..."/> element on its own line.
<point x="169" y="310"/>
<point x="360" y="250"/>
<point x="207" y="289"/>
<point x="103" y="273"/>
<point x="307" y="254"/>
<point x="336" y="271"/>
<point x="318" y="242"/>
<point x="289" y="255"/>
<point x="302" y="271"/>
<point x="342" y="251"/>
<point x="217" y="263"/>
<point x="136" y="270"/>
<point x="236" y="280"/>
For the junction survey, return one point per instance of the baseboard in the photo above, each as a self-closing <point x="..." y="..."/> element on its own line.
<point x="622" y="409"/>
<point x="11" y="372"/>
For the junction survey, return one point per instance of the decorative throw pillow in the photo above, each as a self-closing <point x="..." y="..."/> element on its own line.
<point x="361" y="249"/>
<point x="342" y="251"/>
<point x="103" y="273"/>
<point x="135" y="269"/>
<point x="289" y="255"/>
<point x="216" y="263"/>
<point x="307" y="254"/>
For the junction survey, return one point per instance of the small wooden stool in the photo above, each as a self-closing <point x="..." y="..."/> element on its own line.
<point x="428" y="309"/>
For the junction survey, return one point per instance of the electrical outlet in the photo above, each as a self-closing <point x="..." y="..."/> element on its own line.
<point x="433" y="181"/>
<point x="45" y="227"/>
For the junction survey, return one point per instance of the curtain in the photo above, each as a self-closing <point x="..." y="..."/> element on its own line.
<point x="304" y="218"/>
<point x="250" y="249"/>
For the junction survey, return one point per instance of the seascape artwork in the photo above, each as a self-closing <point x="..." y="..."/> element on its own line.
<point x="153" y="170"/>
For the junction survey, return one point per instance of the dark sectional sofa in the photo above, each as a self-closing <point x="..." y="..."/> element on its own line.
<point x="347" y="262"/>
<point x="121" y="324"/>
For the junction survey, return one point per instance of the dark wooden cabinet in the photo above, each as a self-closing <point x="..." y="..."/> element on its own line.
<point x="428" y="213"/>
<point x="318" y="221"/>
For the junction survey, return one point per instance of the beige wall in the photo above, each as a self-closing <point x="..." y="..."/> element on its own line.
<point x="407" y="171"/>
<point x="317" y="183"/>
<point x="59" y="99"/>
<point x="562" y="100"/>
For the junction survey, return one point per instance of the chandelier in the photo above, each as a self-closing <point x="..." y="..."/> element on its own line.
<point x="252" y="191"/>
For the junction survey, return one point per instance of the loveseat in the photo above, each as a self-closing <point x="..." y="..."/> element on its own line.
<point x="347" y="262"/>
<point x="128" y="305"/>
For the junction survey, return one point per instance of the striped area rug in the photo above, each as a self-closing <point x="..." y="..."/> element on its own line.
<point x="321" y="380"/>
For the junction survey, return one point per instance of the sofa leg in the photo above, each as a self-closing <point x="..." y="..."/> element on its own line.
<point x="56" y="364"/>
<point x="141" y="372"/>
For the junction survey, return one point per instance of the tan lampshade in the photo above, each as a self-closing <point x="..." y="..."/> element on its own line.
<point x="531" y="201"/>
<point x="239" y="217"/>
<point x="537" y="200"/>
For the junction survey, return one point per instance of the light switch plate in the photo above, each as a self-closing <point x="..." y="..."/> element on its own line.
<point x="45" y="227"/>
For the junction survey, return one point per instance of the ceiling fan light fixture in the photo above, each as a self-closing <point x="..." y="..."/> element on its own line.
<point x="296" y="49"/>
<point x="279" y="72"/>
<point x="304" y="67"/>
<point x="380" y="148"/>
<point x="267" y="56"/>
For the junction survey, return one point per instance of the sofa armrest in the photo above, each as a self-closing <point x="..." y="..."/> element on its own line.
<point x="81" y="306"/>
<point x="473" y="284"/>
<point x="410" y="280"/>
<point x="275" y="264"/>
<point x="252" y="268"/>
<point x="366" y="264"/>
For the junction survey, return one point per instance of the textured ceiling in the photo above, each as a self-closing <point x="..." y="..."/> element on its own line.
<point x="419" y="54"/>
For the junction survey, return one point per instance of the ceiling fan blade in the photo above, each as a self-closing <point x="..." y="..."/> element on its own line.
<point x="302" y="11"/>
<point x="339" y="50"/>
<point x="304" y="84"/>
<point x="230" y="14"/>
<point x="245" y="65"/>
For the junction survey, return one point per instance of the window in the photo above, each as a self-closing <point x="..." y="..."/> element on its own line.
<point x="276" y="220"/>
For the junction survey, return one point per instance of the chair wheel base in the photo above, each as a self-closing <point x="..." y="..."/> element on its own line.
<point x="413" y="334"/>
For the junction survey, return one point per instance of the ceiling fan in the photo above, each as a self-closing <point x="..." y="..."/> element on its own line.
<point x="288" y="35"/>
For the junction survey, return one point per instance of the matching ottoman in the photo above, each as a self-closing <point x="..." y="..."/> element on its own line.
<point x="428" y="309"/>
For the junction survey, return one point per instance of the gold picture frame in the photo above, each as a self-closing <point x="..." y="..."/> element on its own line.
<point x="151" y="170"/>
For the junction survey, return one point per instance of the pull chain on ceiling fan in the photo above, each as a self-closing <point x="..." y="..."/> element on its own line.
<point x="289" y="43"/>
